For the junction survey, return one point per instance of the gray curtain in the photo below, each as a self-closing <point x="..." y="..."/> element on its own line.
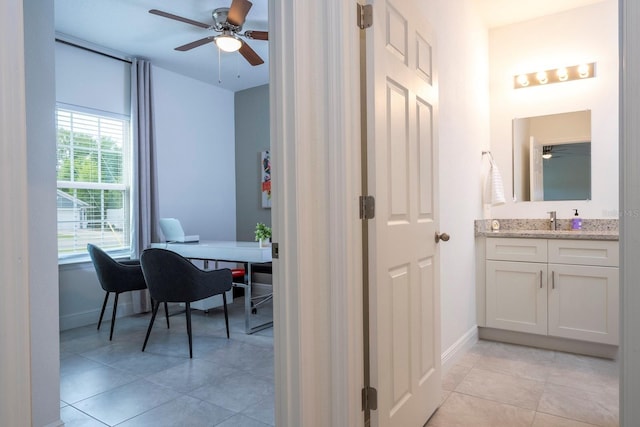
<point x="144" y="195"/>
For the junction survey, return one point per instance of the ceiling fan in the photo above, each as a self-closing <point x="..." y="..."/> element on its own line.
<point x="228" y="22"/>
<point x="569" y="149"/>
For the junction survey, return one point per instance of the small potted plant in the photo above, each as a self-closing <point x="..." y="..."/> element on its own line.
<point x="263" y="234"/>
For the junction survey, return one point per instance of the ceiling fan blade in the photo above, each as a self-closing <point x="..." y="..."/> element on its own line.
<point x="238" y="11"/>
<point x="196" y="43"/>
<point x="257" y="35"/>
<point x="250" y="55"/>
<point x="179" y="18"/>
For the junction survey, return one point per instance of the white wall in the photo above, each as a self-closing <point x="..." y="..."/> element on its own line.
<point x="194" y="126"/>
<point x="89" y="80"/>
<point x="588" y="34"/>
<point x="195" y="134"/>
<point x="463" y="133"/>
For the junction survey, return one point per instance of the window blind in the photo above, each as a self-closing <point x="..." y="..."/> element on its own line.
<point x="92" y="181"/>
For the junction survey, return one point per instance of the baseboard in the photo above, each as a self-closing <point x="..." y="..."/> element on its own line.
<point x="58" y="423"/>
<point x="261" y="288"/>
<point x="459" y="348"/>
<point x="259" y="277"/>
<point x="90" y="317"/>
<point x="550" y="343"/>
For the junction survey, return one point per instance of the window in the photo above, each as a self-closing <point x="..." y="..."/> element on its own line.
<point x="93" y="170"/>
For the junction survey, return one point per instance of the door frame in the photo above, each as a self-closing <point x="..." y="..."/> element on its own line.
<point x="629" y="16"/>
<point x="288" y="380"/>
<point x="15" y="368"/>
<point x="315" y="134"/>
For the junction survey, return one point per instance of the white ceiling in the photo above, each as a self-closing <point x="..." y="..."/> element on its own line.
<point x="126" y="26"/>
<point x="497" y="13"/>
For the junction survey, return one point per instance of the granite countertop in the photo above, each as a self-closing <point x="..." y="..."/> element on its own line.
<point x="592" y="229"/>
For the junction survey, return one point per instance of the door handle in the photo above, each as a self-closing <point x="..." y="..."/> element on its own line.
<point x="540" y="279"/>
<point x="442" y="236"/>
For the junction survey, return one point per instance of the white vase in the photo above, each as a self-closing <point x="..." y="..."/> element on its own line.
<point x="264" y="243"/>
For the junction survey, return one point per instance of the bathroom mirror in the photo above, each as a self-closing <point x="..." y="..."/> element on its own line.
<point x="552" y="157"/>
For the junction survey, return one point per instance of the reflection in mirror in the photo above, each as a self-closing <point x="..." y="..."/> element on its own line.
<point x="552" y="157"/>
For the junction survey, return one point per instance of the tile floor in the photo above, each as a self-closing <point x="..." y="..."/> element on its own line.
<point x="228" y="383"/>
<point x="503" y="385"/>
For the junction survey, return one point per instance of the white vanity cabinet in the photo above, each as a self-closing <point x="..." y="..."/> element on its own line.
<point x="516" y="284"/>
<point x="583" y="290"/>
<point x="556" y="287"/>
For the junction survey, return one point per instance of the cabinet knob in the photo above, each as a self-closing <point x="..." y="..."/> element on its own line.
<point x="442" y="236"/>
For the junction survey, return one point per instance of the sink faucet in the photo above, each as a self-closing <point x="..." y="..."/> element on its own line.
<point x="552" y="220"/>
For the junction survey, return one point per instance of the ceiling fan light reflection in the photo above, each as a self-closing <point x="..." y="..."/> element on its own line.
<point x="228" y="43"/>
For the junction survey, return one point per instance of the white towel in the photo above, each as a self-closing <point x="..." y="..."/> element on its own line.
<point x="494" y="188"/>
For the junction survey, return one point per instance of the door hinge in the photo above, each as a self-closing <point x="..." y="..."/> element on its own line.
<point x="369" y="399"/>
<point x="365" y="16"/>
<point x="274" y="251"/>
<point x="367" y="207"/>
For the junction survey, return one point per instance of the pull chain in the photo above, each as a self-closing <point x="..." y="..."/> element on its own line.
<point x="219" y="65"/>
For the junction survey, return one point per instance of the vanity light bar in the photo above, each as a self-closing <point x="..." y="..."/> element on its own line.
<point x="557" y="75"/>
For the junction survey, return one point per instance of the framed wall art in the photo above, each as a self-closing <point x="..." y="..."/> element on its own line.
<point x="265" y="173"/>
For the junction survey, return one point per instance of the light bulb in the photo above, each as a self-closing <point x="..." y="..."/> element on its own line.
<point x="583" y="70"/>
<point x="542" y="77"/>
<point x="563" y="74"/>
<point x="228" y="42"/>
<point x="523" y="80"/>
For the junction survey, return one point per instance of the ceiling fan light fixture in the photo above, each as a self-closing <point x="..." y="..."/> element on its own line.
<point x="228" y="42"/>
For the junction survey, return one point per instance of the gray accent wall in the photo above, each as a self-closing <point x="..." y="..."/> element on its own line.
<point x="252" y="137"/>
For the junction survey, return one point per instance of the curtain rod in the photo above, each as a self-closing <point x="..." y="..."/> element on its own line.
<point x="88" y="49"/>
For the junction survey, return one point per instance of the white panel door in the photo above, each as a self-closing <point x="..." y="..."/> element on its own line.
<point x="404" y="289"/>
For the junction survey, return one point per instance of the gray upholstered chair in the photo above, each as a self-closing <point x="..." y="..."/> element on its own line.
<point x="116" y="277"/>
<point x="172" y="278"/>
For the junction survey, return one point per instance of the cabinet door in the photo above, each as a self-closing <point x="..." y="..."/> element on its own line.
<point x="517" y="296"/>
<point x="583" y="303"/>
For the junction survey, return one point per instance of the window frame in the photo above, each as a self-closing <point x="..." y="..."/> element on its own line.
<point x="125" y="186"/>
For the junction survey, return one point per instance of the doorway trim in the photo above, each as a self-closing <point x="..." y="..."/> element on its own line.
<point x="315" y="134"/>
<point x="629" y="16"/>
<point x="15" y="368"/>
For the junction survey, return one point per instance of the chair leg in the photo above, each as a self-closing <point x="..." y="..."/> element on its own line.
<point x="104" y="305"/>
<point x="113" y="316"/>
<point x="188" y="314"/>
<point x="153" y="317"/>
<point x="226" y="316"/>
<point x="166" y="314"/>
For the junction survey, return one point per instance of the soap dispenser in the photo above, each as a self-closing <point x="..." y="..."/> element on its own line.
<point x="576" y="222"/>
